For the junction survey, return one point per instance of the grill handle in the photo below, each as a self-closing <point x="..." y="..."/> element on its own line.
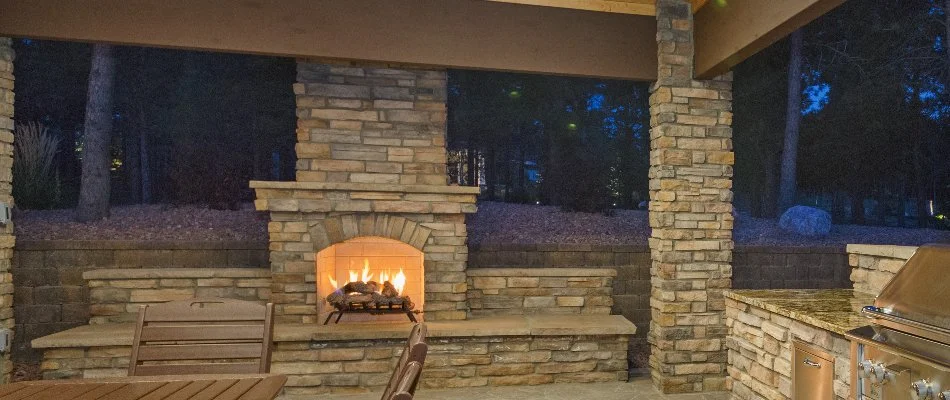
<point x="873" y="312"/>
<point x="811" y="363"/>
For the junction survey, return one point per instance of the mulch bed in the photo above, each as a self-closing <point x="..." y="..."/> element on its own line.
<point x="494" y="223"/>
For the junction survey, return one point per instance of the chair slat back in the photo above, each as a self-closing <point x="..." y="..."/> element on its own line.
<point x="202" y="336"/>
<point x="406" y="385"/>
<point x="415" y="351"/>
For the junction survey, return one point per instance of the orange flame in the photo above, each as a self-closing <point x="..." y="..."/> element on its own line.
<point x="366" y="275"/>
<point x="399" y="281"/>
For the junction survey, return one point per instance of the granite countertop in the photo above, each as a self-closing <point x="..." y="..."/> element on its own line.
<point x="835" y="310"/>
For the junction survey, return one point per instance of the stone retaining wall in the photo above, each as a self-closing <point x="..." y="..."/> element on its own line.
<point x="530" y="291"/>
<point x="6" y="195"/>
<point x="873" y="266"/>
<point x="452" y="362"/>
<point x="117" y="294"/>
<point x="753" y="267"/>
<point x="760" y="352"/>
<point x="51" y="295"/>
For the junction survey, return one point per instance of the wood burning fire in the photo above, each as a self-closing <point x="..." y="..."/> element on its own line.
<point x="364" y="295"/>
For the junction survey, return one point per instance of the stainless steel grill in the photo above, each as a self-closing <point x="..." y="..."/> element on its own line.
<point x="905" y="352"/>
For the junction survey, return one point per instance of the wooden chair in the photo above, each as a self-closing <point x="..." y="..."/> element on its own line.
<point x="406" y="386"/>
<point x="414" y="352"/>
<point x="203" y="336"/>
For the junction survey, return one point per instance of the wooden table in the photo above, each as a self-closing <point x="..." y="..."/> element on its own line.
<point x="207" y="387"/>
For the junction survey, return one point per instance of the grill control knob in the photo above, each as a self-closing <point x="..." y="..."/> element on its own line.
<point x="921" y="390"/>
<point x="866" y="366"/>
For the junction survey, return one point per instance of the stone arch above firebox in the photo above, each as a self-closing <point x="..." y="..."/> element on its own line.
<point x="339" y="228"/>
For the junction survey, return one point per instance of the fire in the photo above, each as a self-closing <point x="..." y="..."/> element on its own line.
<point x="398" y="280"/>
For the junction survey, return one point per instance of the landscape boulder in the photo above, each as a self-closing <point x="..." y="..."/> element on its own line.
<point x="808" y="221"/>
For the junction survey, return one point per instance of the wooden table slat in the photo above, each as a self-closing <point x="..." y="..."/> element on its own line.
<point x="24" y="393"/>
<point x="190" y="390"/>
<point x="100" y="390"/>
<point x="133" y="391"/>
<point x="239" y="388"/>
<point x="7" y="389"/>
<point x="165" y="391"/>
<point x="187" y="387"/>
<point x="270" y="384"/>
<point x="214" y="390"/>
<point x="63" y="392"/>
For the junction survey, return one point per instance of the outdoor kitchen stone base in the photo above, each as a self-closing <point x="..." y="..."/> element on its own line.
<point x="511" y="350"/>
<point x="764" y="324"/>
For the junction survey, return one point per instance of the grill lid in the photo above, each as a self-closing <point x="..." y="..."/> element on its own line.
<point x="918" y="296"/>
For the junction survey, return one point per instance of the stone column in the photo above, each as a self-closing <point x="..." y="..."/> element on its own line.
<point x="691" y="246"/>
<point x="6" y="195"/>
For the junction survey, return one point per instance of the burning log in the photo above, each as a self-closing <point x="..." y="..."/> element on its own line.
<point x="367" y="296"/>
<point x="389" y="290"/>
<point x="360" y="287"/>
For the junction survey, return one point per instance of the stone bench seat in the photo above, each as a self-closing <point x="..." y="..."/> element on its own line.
<point x="121" y="334"/>
<point x="491" y="351"/>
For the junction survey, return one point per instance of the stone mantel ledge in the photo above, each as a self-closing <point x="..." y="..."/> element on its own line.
<point x="880" y="250"/>
<point x="834" y="310"/>
<point x="121" y="334"/>
<point x="365" y="187"/>
<point x="175" y="273"/>
<point x="320" y="197"/>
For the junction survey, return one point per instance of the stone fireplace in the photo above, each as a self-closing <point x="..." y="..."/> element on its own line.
<point x="371" y="191"/>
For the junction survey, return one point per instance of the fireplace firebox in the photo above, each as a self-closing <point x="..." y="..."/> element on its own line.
<point x="369" y="275"/>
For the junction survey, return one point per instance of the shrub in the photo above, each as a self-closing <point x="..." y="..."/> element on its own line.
<point x="35" y="179"/>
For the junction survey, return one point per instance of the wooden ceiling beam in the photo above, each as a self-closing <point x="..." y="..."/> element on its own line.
<point x="439" y="33"/>
<point x="729" y="31"/>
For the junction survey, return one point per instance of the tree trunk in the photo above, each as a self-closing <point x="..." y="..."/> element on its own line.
<point x="491" y="172"/>
<point x="793" y="118"/>
<point x="94" y="190"/>
<point x="471" y="157"/>
<point x="131" y="165"/>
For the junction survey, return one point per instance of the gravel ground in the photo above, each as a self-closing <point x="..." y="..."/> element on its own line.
<point x="547" y="224"/>
<point x="494" y="223"/>
<point x="145" y="222"/>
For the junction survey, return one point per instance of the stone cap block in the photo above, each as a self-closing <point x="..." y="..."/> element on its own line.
<point x="175" y="273"/>
<point x="903" y="252"/>
<point x="139" y="245"/>
<point x="544" y="272"/>
<point x="121" y="334"/>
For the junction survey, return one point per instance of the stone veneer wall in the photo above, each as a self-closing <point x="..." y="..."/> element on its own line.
<point x="760" y="353"/>
<point x="873" y="266"/>
<point x="691" y="244"/>
<point x="531" y="291"/>
<point x="320" y="366"/>
<point x="51" y="294"/>
<point x="117" y="294"/>
<point x="754" y="267"/>
<point x="6" y="195"/>
<point x="370" y="125"/>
